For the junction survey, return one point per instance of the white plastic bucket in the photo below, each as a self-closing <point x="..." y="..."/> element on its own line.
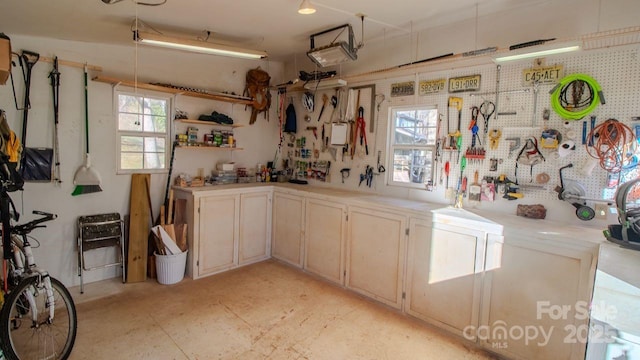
<point x="170" y="268"/>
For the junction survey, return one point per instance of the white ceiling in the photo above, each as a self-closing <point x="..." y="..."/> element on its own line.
<point x="271" y="25"/>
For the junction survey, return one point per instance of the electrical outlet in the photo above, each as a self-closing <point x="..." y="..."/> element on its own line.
<point x="601" y="210"/>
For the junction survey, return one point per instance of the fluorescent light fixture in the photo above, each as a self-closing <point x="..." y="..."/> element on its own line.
<point x="336" y="52"/>
<point x="196" y="46"/>
<point x="306" y="8"/>
<point x="323" y="84"/>
<point x="535" y="54"/>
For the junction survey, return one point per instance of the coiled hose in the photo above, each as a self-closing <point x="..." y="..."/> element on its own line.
<point x="578" y="106"/>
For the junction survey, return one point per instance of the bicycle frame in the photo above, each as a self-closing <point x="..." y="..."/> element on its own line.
<point x="23" y="261"/>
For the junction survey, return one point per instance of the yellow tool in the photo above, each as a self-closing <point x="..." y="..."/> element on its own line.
<point x="457" y="103"/>
<point x="454" y="137"/>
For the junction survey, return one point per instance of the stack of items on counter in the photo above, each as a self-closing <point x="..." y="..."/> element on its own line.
<point x="243" y="175"/>
<point x="224" y="174"/>
<point x="266" y="173"/>
<point x="186" y="180"/>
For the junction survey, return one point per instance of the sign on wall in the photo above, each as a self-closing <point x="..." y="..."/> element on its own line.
<point x="464" y="83"/>
<point x="542" y="75"/>
<point x="427" y="87"/>
<point x="403" y="89"/>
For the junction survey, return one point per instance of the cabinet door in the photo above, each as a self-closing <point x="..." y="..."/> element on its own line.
<point x="288" y="230"/>
<point x="324" y="242"/>
<point x="530" y="290"/>
<point x="218" y="233"/>
<point x="447" y="277"/>
<point x="418" y="267"/>
<point x="255" y="227"/>
<point x="375" y="254"/>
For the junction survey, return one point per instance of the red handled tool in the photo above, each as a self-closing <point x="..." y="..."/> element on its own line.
<point x="447" y="168"/>
<point x="361" y="127"/>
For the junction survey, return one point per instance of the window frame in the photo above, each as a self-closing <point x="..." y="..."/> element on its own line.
<point x="392" y="146"/>
<point x="120" y="133"/>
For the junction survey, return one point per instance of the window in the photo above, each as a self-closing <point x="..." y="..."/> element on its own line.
<point x="412" y="145"/>
<point x="143" y="132"/>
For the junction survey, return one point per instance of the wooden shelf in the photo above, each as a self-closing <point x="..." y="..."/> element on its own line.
<point x="201" y="122"/>
<point x="202" y="146"/>
<point x="140" y="85"/>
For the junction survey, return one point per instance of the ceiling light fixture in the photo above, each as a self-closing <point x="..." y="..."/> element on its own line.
<point x="306" y="8"/>
<point x="195" y="46"/>
<point x="110" y="2"/>
<point x="541" y="50"/>
<point x="539" y="53"/>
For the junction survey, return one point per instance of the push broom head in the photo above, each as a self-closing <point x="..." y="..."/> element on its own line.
<point x="87" y="180"/>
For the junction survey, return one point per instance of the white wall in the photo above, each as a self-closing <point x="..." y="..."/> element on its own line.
<point x="548" y="19"/>
<point x="562" y="19"/>
<point x="58" y="242"/>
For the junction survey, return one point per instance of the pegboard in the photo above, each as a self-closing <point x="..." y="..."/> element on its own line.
<point x="616" y="71"/>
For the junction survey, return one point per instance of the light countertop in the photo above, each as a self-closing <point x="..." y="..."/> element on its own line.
<point x="545" y="231"/>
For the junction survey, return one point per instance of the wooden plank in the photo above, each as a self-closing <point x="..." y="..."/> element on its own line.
<point x="180" y="211"/>
<point x="181" y="236"/>
<point x="141" y="85"/>
<point x="170" y="211"/>
<point x="139" y="214"/>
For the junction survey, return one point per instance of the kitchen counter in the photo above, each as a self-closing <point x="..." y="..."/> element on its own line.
<point x="543" y="231"/>
<point x="418" y="208"/>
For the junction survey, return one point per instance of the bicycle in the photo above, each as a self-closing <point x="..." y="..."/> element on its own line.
<point x="38" y="319"/>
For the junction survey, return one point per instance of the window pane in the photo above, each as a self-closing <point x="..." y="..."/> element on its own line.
<point x="154" y="160"/>
<point x="412" y="165"/>
<point x="131" y="161"/>
<point x="131" y="143"/>
<point x="154" y="144"/>
<point x="155" y="107"/>
<point x="129" y="122"/>
<point x="140" y="114"/>
<point x="155" y="123"/>
<point x="401" y="165"/>
<point x="415" y="127"/>
<point x="129" y="104"/>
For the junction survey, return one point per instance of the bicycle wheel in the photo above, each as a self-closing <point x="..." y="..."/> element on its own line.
<point x="23" y="338"/>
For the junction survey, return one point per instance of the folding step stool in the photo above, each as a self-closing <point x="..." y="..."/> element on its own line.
<point x="100" y="231"/>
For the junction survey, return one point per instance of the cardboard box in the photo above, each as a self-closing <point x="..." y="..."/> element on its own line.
<point x="5" y="58"/>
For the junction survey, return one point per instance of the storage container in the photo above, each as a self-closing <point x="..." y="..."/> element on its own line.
<point x="170" y="268"/>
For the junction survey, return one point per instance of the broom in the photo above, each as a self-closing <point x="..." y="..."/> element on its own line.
<point x="86" y="179"/>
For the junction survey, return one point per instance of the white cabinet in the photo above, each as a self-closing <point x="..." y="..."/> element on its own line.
<point x="218" y="233"/>
<point x="454" y="277"/>
<point x="447" y="266"/>
<point x="375" y="254"/>
<point x="288" y="228"/>
<point x="530" y="290"/>
<point x="325" y="232"/>
<point x="226" y="229"/>
<point x="417" y="287"/>
<point x="255" y="227"/>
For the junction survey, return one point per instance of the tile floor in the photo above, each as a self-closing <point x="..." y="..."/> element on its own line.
<point x="263" y="311"/>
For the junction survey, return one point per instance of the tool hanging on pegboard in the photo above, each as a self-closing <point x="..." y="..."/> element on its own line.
<point x="454" y="140"/>
<point x="475" y="153"/>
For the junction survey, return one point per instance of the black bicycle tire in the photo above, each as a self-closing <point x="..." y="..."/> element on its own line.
<point x="11" y="299"/>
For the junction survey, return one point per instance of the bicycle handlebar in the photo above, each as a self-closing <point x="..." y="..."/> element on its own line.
<point x="28" y="227"/>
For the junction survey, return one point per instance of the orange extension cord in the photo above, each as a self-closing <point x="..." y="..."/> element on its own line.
<point x="614" y="145"/>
